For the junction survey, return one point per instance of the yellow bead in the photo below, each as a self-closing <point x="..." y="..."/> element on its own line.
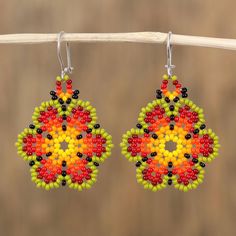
<point x="171" y="97"/>
<point x="60" y="139"/>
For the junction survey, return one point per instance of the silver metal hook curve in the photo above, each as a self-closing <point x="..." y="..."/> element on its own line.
<point x="64" y="69"/>
<point x="169" y="65"/>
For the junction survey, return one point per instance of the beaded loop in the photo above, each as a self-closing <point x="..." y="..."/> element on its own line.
<point x="171" y="118"/>
<point x="64" y="145"/>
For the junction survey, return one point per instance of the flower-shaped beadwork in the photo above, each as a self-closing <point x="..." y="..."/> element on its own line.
<point x="170" y="119"/>
<point x="64" y="145"/>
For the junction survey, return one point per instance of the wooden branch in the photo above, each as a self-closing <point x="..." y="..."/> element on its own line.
<point x="137" y="37"/>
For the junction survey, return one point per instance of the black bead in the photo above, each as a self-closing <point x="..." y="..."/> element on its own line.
<point x="146" y="131"/>
<point x="96" y="164"/>
<point x="203" y="126"/>
<point x="187" y="136"/>
<point x="39" y="158"/>
<point x="96" y="126"/>
<point x="48" y="154"/>
<point x="169" y="181"/>
<point x="60" y="100"/>
<point x="53" y="93"/>
<point x="154" y="136"/>
<point x="158" y="91"/>
<point x="64" y="116"/>
<point x="63" y="163"/>
<point x="74" y="96"/>
<point x="171" y="107"/>
<point x="39" y="131"/>
<point x="63" y="182"/>
<point x="202" y="164"/>
<point x="153" y="154"/>
<point x="49" y="136"/>
<point x="76" y="92"/>
<point x="144" y="159"/>
<point x="176" y="99"/>
<point x="158" y="96"/>
<point x="184" y="95"/>
<point x="80" y="136"/>
<point x="89" y="130"/>
<point x="167" y="99"/>
<point x="54" y="97"/>
<point x="79" y="154"/>
<point x="184" y="90"/>
<point x="63" y="107"/>
<point x="170" y="174"/>
<point x="63" y="173"/>
<point x="68" y="101"/>
<point x="186" y="155"/>
<point x="196" y="131"/>
<point x="172" y="117"/>
<point x="31" y="126"/>
<point x="138" y="164"/>
<point x="170" y="164"/>
<point x="194" y="160"/>
<point x="31" y="163"/>
<point x="64" y="127"/>
<point x="89" y="159"/>
<point x="172" y="127"/>
<point x="139" y="126"/>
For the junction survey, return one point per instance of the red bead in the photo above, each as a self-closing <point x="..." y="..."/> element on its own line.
<point x="167" y="119"/>
<point x="165" y="81"/>
<point x="68" y="119"/>
<point x="176" y="119"/>
<point x="186" y="183"/>
<point x="195" y="156"/>
<point x="69" y="81"/>
<point x="80" y="108"/>
<point x="175" y="82"/>
<point x="163" y="86"/>
<point x="43" y="162"/>
<point x="179" y="180"/>
<point x="73" y="110"/>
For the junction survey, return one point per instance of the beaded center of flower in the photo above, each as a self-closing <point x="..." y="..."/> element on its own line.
<point x="170" y="146"/>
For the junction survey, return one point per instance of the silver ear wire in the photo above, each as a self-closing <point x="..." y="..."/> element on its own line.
<point x="69" y="68"/>
<point x="169" y="65"/>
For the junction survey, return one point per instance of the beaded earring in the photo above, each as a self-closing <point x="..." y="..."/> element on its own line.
<point x="64" y="145"/>
<point x="171" y="119"/>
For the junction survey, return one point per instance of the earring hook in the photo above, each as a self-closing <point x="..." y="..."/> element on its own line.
<point x="64" y="70"/>
<point x="169" y="65"/>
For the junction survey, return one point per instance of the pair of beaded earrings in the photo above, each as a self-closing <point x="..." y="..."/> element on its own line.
<point x="64" y="145"/>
